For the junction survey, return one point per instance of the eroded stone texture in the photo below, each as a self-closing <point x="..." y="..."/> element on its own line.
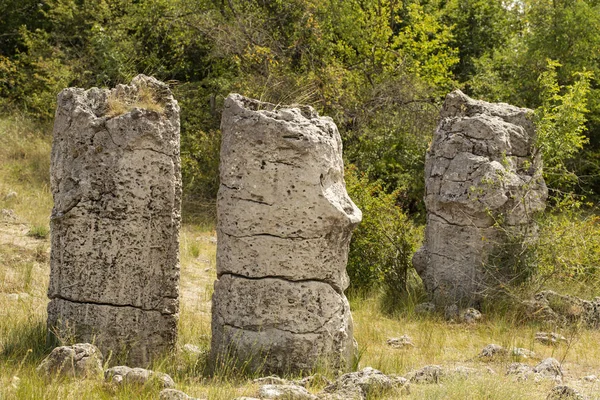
<point x="483" y="186"/>
<point x="116" y="184"/>
<point x="284" y="226"/>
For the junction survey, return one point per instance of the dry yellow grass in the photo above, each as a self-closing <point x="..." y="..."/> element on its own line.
<point x="144" y="99"/>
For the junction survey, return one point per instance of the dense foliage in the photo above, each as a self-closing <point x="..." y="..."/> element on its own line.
<point x="380" y="68"/>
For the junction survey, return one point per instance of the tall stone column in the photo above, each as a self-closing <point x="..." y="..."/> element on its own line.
<point x="484" y="185"/>
<point x="284" y="226"/>
<point x="116" y="183"/>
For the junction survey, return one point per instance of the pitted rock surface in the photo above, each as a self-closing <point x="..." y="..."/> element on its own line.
<point x="284" y="227"/>
<point x="481" y="169"/>
<point x="116" y="184"/>
<point x="78" y="360"/>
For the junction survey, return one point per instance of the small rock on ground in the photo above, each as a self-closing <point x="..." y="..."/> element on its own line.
<point x="363" y="383"/>
<point x="427" y="374"/>
<point x="563" y="392"/>
<point x="470" y="316"/>
<point x="173" y="394"/>
<point x="79" y="360"/>
<point x="126" y="375"/>
<point x="492" y="351"/>
<point x="549" y="338"/>
<point x="401" y="342"/>
<point x="287" y="392"/>
<point x="549" y="367"/>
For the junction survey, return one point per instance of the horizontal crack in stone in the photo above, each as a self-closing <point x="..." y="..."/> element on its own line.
<point x="94" y="303"/>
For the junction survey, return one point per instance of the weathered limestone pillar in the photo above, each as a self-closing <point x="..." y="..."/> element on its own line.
<point x="116" y="183"/>
<point x="284" y="226"/>
<point x="483" y="186"/>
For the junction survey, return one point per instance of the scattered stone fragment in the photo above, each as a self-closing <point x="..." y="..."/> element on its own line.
<point x="549" y="367"/>
<point x="10" y="195"/>
<point x="116" y="185"/>
<point x="520" y="370"/>
<point x="400" y="342"/>
<point x="520" y="352"/>
<point x="364" y="383"/>
<point x="424" y="308"/>
<point x="549" y="338"/>
<point x="15" y="382"/>
<point x="192" y="349"/>
<point x="549" y="306"/>
<point x="563" y="392"/>
<point x="8" y="215"/>
<point x="284" y="226"/>
<point x="481" y="168"/>
<point x="285" y="392"/>
<point x="140" y="376"/>
<point x="427" y="374"/>
<point x="493" y="351"/>
<point x="590" y="378"/>
<point x="471" y="316"/>
<point x="79" y="360"/>
<point x="173" y="394"/>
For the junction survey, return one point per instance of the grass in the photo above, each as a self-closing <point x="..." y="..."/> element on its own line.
<point x="24" y="270"/>
<point x="145" y="98"/>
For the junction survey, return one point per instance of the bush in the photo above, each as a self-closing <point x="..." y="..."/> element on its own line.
<point x="383" y="244"/>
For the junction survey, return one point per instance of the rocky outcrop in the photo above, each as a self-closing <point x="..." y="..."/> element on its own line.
<point x="551" y="307"/>
<point x="116" y="183"/>
<point x="483" y="186"/>
<point x="284" y="226"/>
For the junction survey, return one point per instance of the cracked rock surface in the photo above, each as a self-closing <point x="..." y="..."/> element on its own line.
<point x="284" y="226"/>
<point x="484" y="184"/>
<point x="116" y="184"/>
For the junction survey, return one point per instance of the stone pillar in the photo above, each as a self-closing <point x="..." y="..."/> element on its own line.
<point x="284" y="226"/>
<point x="116" y="183"/>
<point x="484" y="184"/>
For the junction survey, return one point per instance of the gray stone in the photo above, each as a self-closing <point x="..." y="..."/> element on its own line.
<point x="137" y="376"/>
<point x="79" y="360"/>
<point x="427" y="374"/>
<point x="520" y="352"/>
<point x="520" y="370"/>
<point x="10" y="196"/>
<point x="470" y="316"/>
<point x="284" y="227"/>
<point x="492" y="351"/>
<point x="401" y="342"/>
<point x="549" y="367"/>
<point x="362" y="384"/>
<point x="562" y="392"/>
<point x="173" y="394"/>
<point x="7" y="214"/>
<point x="481" y="171"/>
<point x="549" y="338"/>
<point x="549" y="306"/>
<point x="116" y="184"/>
<point x="285" y="392"/>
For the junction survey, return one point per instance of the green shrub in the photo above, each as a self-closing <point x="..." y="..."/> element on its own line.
<point x="383" y="244"/>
